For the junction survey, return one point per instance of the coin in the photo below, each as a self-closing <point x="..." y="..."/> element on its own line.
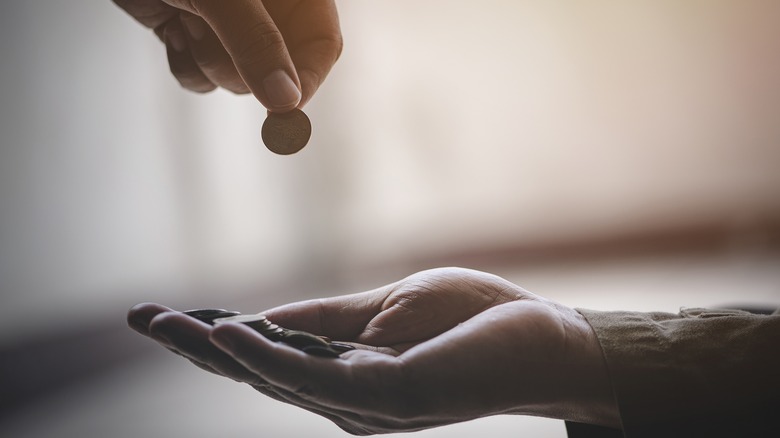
<point x="259" y="323"/>
<point x="286" y="133"/>
<point x="300" y="339"/>
<point x="304" y="341"/>
<point x="209" y="315"/>
<point x="341" y="347"/>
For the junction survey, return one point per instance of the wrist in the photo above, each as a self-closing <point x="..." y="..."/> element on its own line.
<point x="592" y="399"/>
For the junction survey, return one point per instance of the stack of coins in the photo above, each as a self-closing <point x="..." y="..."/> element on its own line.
<point x="209" y="315"/>
<point x="304" y="341"/>
<point x="260" y="323"/>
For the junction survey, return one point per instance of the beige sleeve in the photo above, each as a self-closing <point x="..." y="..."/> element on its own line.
<point x="702" y="372"/>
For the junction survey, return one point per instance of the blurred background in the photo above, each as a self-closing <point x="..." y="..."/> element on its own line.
<point x="605" y="155"/>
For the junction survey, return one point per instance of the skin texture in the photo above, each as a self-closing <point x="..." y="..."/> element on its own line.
<point x="439" y="347"/>
<point x="246" y="45"/>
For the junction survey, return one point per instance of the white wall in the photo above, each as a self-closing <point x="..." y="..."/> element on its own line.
<point x="86" y="191"/>
<point x="446" y="125"/>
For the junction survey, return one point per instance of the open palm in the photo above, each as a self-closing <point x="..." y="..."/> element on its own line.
<point x="438" y="347"/>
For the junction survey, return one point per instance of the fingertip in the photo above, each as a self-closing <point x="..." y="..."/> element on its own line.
<point x="281" y="91"/>
<point x="172" y="327"/>
<point x="239" y="88"/>
<point x="139" y="316"/>
<point x="259" y="53"/>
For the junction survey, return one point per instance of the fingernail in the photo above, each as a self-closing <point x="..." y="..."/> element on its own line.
<point x="195" y="26"/>
<point x="281" y="91"/>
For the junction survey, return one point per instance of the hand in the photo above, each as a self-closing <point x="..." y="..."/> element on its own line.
<point x="280" y="50"/>
<point x="438" y="347"/>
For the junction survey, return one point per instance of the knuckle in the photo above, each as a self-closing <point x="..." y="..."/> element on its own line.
<point x="214" y="69"/>
<point x="222" y="74"/>
<point x="208" y="64"/>
<point x="236" y="87"/>
<point x="190" y="77"/>
<point x="258" y="42"/>
<point x="196" y="84"/>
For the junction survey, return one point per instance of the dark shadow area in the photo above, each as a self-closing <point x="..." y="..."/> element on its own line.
<point x="36" y="369"/>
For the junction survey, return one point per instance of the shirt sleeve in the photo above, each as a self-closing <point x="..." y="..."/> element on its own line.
<point x="701" y="372"/>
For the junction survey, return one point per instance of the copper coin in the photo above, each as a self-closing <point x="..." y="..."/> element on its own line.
<point x="286" y="133"/>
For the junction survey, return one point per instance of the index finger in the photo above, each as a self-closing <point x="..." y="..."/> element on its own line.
<point x="342" y="384"/>
<point x="256" y="46"/>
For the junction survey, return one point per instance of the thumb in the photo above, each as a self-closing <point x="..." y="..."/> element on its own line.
<point x="256" y="47"/>
<point x="341" y="318"/>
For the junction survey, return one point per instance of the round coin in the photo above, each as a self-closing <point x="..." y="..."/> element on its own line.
<point x="286" y="133"/>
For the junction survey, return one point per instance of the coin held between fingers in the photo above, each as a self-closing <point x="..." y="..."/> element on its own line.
<point x="286" y="133"/>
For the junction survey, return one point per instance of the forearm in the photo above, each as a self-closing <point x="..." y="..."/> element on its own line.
<point x="673" y="374"/>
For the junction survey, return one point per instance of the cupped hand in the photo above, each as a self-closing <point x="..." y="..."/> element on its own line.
<point x="439" y="347"/>
<point x="280" y="50"/>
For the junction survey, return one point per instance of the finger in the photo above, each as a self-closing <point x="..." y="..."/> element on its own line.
<point x="210" y="55"/>
<point x="324" y="381"/>
<point x="351" y="390"/>
<point x="190" y="338"/>
<point x="263" y="357"/>
<point x="150" y="13"/>
<point x="140" y="315"/>
<point x="340" y="318"/>
<point x="181" y="61"/>
<point x="256" y="46"/>
<point x="395" y="350"/>
<point x="314" y="40"/>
